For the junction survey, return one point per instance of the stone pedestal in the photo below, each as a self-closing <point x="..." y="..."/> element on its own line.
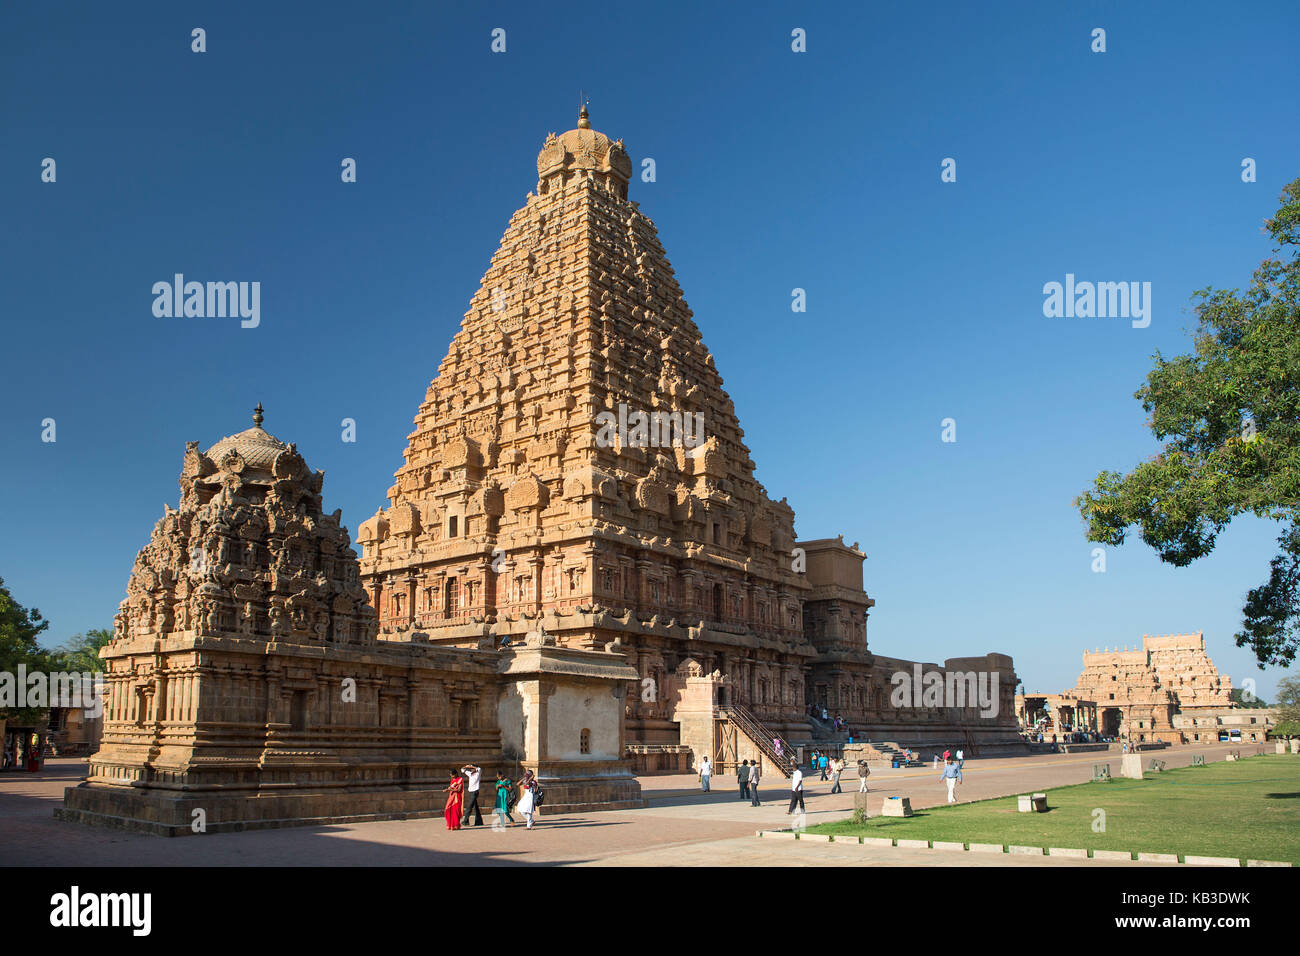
<point x="1295" y="746"/>
<point x="1131" y="766"/>
<point x="1279" y="746"/>
<point x="897" y="807"/>
<point x="1032" y="803"/>
<point x="860" y="806"/>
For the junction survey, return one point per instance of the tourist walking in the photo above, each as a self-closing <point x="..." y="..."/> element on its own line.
<point x="528" y="802"/>
<point x="951" y="776"/>
<point x="961" y="758"/>
<point x="753" y="784"/>
<point x="796" y="790"/>
<point x="837" y="768"/>
<point x="706" y="771"/>
<point x="451" y="810"/>
<point x="776" y="746"/>
<point x="823" y="762"/>
<point x="863" y="772"/>
<point x="742" y="777"/>
<point x="504" y="790"/>
<point x="473" y="775"/>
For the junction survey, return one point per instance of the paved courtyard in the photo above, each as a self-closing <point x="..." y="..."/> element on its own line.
<point x="681" y="827"/>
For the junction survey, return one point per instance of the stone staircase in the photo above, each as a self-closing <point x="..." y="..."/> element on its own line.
<point x="885" y="752"/>
<point x="760" y="736"/>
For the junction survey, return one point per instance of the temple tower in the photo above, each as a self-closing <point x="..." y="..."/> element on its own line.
<point x="577" y="465"/>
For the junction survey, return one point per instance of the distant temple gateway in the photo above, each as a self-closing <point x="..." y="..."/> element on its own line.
<point x="542" y="590"/>
<point x="1138" y="693"/>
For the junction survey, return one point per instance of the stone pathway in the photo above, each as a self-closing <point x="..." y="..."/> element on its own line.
<point x="681" y="827"/>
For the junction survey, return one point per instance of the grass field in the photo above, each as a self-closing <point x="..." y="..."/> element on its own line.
<point x="1248" y="808"/>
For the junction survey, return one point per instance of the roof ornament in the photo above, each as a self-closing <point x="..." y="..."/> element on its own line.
<point x="584" y="122"/>
<point x="257" y="415"/>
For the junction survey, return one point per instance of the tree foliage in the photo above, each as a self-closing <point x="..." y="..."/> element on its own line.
<point x="19" y="628"/>
<point x="1239" y="700"/>
<point x="1288" y="707"/>
<point x="1229" y="417"/>
<point x="81" y="651"/>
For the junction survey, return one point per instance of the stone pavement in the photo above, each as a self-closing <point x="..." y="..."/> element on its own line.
<point x="681" y="827"/>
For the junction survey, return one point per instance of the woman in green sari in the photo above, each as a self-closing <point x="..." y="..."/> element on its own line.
<point x="505" y="790"/>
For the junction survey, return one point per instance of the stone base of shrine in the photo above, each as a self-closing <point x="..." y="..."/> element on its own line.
<point x="581" y="787"/>
<point x="175" y="813"/>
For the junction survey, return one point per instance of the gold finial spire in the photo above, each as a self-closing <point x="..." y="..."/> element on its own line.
<point x="257" y="415"/>
<point x="583" y="121"/>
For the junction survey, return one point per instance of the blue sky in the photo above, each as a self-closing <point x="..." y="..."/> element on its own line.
<point x="775" y="170"/>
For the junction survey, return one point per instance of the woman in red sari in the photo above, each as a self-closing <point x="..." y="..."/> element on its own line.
<point x="455" y="791"/>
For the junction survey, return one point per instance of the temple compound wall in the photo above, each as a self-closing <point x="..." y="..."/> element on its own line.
<point x="247" y="686"/>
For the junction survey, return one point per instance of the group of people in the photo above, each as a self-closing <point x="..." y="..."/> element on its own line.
<point x="463" y="795"/>
<point x="947" y="755"/>
<point x="836" y="766"/>
<point x="748" y="775"/>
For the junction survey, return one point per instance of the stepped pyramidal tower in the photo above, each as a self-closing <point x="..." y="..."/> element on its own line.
<point x="577" y="469"/>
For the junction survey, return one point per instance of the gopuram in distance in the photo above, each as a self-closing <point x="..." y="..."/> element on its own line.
<point x="577" y="572"/>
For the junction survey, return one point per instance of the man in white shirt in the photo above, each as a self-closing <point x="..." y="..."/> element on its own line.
<point x="473" y="775"/>
<point x="796" y="791"/>
<point x="961" y="757"/>
<point x="706" y="771"/>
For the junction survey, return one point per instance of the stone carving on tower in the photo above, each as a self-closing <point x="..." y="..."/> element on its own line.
<point x="248" y="553"/>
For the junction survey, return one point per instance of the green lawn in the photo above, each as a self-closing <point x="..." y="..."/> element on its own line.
<point x="1248" y="808"/>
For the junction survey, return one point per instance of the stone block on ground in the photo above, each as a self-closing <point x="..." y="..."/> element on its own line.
<point x="1112" y="855"/>
<point x="1131" y="766"/>
<point x="897" y="807"/>
<point x="1067" y="851"/>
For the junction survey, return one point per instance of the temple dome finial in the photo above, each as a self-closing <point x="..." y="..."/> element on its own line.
<point x="257" y="415"/>
<point x="583" y="150"/>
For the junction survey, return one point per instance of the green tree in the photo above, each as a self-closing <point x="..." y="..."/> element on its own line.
<point x="1255" y="703"/>
<point x="1288" y="707"/>
<point x="19" y="629"/>
<point x="81" y="651"/>
<point x="1229" y="417"/>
